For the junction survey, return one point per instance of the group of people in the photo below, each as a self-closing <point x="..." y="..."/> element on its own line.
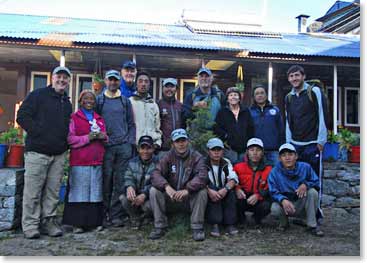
<point x="131" y="159"/>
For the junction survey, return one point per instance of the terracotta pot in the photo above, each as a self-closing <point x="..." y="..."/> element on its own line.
<point x="355" y="154"/>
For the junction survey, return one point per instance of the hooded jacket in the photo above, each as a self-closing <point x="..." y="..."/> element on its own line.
<point x="225" y="174"/>
<point x="146" y="118"/>
<point x="283" y="182"/>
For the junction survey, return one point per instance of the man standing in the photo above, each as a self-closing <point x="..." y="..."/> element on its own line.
<point x="305" y="120"/>
<point x="146" y="111"/>
<point x="170" y="112"/>
<point x="117" y="113"/>
<point x="179" y="178"/>
<point x="204" y="96"/>
<point x="293" y="186"/>
<point x="45" y="116"/>
<point x="137" y="182"/>
<point x="128" y="73"/>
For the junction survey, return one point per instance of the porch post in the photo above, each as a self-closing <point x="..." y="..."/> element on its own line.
<point x="335" y="101"/>
<point x="270" y="82"/>
<point x="62" y="58"/>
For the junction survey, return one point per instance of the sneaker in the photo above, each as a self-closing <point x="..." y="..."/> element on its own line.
<point x="215" y="232"/>
<point x="51" y="227"/>
<point x="316" y="231"/>
<point x="117" y="222"/>
<point x="157" y="233"/>
<point x="231" y="230"/>
<point x="78" y="230"/>
<point x="32" y="234"/>
<point x="198" y="234"/>
<point x="99" y="228"/>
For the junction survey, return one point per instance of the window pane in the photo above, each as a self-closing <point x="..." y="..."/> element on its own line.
<point x="85" y="83"/>
<point x="352" y="107"/>
<point x="39" y="81"/>
<point x="187" y="88"/>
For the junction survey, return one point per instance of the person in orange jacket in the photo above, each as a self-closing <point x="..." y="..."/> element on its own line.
<point x="252" y="189"/>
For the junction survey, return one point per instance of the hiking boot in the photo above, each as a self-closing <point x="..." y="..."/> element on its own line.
<point x="198" y="234"/>
<point x="31" y="234"/>
<point x="106" y="222"/>
<point x="215" y="232"/>
<point x="231" y="230"/>
<point x="78" y="230"/>
<point x="316" y="231"/>
<point x="283" y="228"/>
<point x="299" y="221"/>
<point x="157" y="233"/>
<point x="135" y="224"/>
<point x="51" y="228"/>
<point x="117" y="222"/>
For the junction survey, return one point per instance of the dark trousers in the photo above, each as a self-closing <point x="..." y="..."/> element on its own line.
<point x="223" y="211"/>
<point x="114" y="165"/>
<point x="260" y="210"/>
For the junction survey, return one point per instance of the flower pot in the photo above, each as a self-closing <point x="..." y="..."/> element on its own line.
<point x="3" y="152"/>
<point x="330" y="151"/>
<point x="343" y="154"/>
<point x="15" y="157"/>
<point x="355" y="154"/>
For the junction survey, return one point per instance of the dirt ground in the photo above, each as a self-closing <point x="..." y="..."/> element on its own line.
<point x="342" y="238"/>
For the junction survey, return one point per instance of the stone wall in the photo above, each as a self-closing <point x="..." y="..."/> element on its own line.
<point x="341" y="187"/>
<point x="11" y="192"/>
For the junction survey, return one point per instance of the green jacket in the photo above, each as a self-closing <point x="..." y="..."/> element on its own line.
<point x="138" y="174"/>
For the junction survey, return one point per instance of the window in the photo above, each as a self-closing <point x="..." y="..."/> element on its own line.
<point x="40" y="80"/>
<point x="83" y="81"/>
<point x="153" y="88"/>
<point x="351" y="106"/>
<point x="186" y="86"/>
<point x="330" y="95"/>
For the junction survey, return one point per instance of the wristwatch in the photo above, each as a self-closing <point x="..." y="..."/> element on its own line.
<point x="228" y="188"/>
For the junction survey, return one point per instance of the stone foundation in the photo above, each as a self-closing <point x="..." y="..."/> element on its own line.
<point x="11" y="192"/>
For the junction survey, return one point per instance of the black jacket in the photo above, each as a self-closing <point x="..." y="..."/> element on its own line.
<point x="234" y="133"/>
<point x="45" y="116"/>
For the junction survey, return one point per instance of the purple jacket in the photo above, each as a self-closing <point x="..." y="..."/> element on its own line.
<point x="171" y="119"/>
<point x="83" y="152"/>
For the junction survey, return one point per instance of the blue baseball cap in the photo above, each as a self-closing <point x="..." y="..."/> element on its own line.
<point x="205" y="70"/>
<point x="170" y="81"/>
<point x="113" y="73"/>
<point x="214" y="142"/>
<point x="178" y="133"/>
<point x="60" y="69"/>
<point x="129" y="64"/>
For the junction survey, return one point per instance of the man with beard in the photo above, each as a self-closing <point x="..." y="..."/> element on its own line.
<point x="45" y="116"/>
<point x="128" y="73"/>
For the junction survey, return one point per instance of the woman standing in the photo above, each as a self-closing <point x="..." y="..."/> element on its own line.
<point x="234" y="126"/>
<point x="87" y="135"/>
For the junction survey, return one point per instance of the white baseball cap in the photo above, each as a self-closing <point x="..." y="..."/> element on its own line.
<point x="255" y="141"/>
<point x="287" y="146"/>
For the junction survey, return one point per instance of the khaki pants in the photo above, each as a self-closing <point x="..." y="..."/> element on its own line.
<point x="42" y="181"/>
<point x="133" y="211"/>
<point x="197" y="202"/>
<point x="305" y="207"/>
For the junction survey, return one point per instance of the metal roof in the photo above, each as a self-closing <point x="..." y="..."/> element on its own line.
<point x="50" y="30"/>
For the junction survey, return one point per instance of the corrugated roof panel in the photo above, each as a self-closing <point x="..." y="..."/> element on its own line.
<point x="172" y="36"/>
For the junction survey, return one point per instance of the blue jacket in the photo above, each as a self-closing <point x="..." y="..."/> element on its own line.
<point x="283" y="183"/>
<point x="126" y="90"/>
<point x="269" y="126"/>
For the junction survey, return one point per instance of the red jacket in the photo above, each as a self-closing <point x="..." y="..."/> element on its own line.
<point x="253" y="182"/>
<point x="83" y="152"/>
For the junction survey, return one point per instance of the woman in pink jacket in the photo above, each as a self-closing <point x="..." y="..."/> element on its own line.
<point x="87" y="135"/>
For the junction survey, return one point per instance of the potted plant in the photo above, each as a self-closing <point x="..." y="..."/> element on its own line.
<point x="345" y="139"/>
<point x="15" y="147"/>
<point x="355" y="148"/>
<point x="331" y="147"/>
<point x="98" y="83"/>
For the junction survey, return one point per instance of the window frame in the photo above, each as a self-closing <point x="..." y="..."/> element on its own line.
<point x="42" y="73"/>
<point x="77" y="92"/>
<point x="182" y="84"/>
<point x="346" y="89"/>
